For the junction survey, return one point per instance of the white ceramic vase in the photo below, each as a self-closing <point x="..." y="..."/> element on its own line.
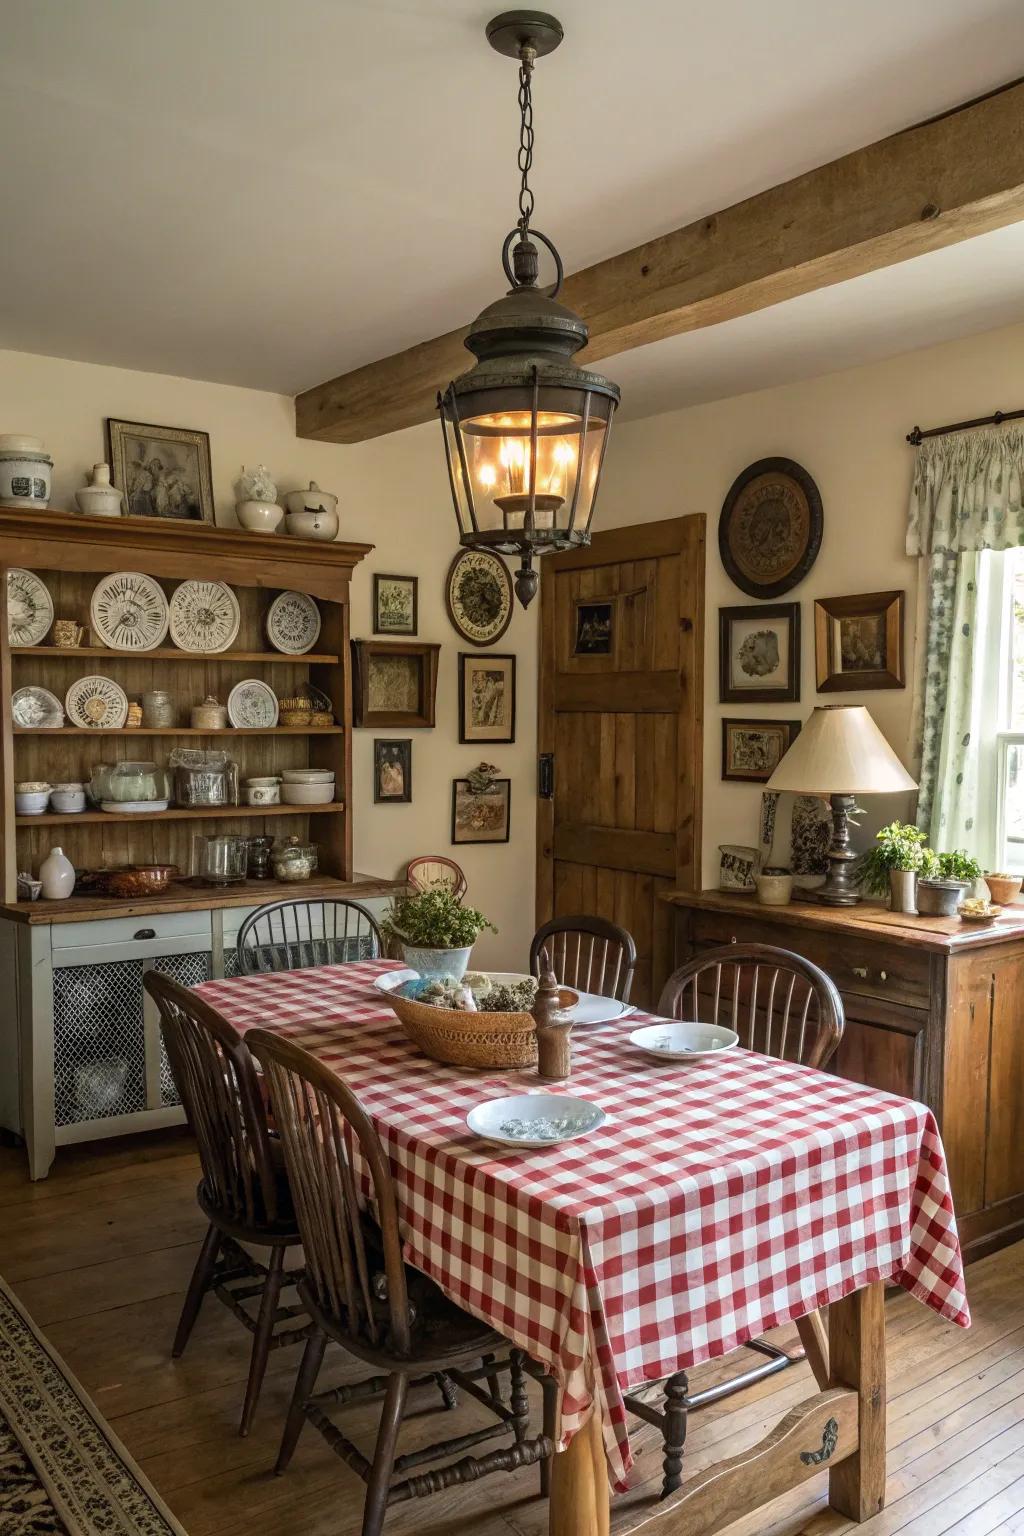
<point x="259" y="516"/>
<point x="57" y="874"/>
<point x="99" y="498"/>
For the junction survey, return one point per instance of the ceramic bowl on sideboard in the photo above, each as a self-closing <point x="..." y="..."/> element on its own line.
<point x="312" y="525"/>
<point x="262" y="791"/>
<point x="307" y="794"/>
<point x="307" y="775"/>
<point x="259" y="516"/>
<point x="31" y="799"/>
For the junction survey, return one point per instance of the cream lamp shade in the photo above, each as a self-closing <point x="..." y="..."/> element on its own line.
<point x="841" y="751"/>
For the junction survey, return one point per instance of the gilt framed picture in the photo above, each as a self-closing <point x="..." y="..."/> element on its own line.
<point x="759" y="654"/>
<point x="752" y="749"/>
<point x="858" y="642"/>
<point x="163" y="471"/>
<point x="487" y="697"/>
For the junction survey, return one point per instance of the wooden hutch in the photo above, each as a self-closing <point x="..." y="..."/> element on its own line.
<point x="75" y="967"/>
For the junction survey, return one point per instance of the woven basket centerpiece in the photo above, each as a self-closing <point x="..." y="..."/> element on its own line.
<point x="461" y="1038"/>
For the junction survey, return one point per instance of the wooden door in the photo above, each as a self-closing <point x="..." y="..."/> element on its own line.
<point x="621" y="714"/>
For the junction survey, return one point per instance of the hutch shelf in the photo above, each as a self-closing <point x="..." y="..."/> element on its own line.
<point x="83" y="1032"/>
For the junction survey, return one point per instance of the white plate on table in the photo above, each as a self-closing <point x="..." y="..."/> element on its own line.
<point x="554" y="1118"/>
<point x="684" y="1040"/>
<point x="592" y="1007"/>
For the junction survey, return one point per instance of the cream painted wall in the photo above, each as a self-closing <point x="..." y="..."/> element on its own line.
<point x="848" y="430"/>
<point x="394" y="494"/>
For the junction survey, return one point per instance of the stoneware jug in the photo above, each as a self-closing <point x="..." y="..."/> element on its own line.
<point x="57" y="874"/>
<point x="99" y="498"/>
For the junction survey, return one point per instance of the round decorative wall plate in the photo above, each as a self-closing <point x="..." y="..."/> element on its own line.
<point x="96" y="701"/>
<point x="204" y="616"/>
<point x="37" y="709"/>
<point x="128" y="611"/>
<point x="29" y="608"/>
<point x="769" y="532"/>
<point x="293" y="623"/>
<point x="252" y="705"/>
<point x="478" y="596"/>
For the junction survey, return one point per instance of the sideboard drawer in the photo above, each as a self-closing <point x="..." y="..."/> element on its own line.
<point x="860" y="966"/>
<point x="127" y="930"/>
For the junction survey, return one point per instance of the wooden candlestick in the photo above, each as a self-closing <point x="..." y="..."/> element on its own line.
<point x="553" y="1025"/>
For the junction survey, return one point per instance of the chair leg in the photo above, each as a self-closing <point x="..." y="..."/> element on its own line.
<point x="305" y="1381"/>
<point x="197" y="1288"/>
<point x="493" y="1381"/>
<point x="519" y="1402"/>
<point x="675" y="1433"/>
<point x="379" y="1480"/>
<point x="448" y="1390"/>
<point x="549" y="1391"/>
<point x="261" y="1338"/>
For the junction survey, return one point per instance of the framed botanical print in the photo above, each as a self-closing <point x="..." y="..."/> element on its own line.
<point x="163" y="471"/>
<point x="759" y="653"/>
<point x="487" y="697"/>
<point x="394" y="682"/>
<point x="858" y="642"/>
<point x="395" y="604"/>
<point x="392" y="772"/>
<point x="481" y="816"/>
<point x="752" y="749"/>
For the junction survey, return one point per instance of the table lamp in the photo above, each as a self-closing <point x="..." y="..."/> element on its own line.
<point x="841" y="753"/>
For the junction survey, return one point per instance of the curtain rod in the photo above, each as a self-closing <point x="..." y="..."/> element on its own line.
<point x="995" y="420"/>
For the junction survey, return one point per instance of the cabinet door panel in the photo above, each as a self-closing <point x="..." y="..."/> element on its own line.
<point x="878" y="1056"/>
<point x="1004" y="1164"/>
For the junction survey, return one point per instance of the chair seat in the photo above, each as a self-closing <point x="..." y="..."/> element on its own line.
<point x="440" y="1327"/>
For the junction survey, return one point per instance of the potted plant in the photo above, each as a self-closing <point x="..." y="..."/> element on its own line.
<point x="945" y="880"/>
<point x="435" y="932"/>
<point x="892" y="866"/>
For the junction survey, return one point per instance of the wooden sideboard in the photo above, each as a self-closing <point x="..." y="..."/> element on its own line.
<point x="934" y="1011"/>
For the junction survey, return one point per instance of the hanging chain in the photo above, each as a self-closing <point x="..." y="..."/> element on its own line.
<point x="525" y="158"/>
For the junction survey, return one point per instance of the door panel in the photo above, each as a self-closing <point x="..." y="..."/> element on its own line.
<point x="624" y="729"/>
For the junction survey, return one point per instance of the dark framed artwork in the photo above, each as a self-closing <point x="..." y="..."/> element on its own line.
<point x="484" y="816"/>
<point x="858" y="642"/>
<point x="478" y="596"/>
<point x="769" y="531"/>
<point x="394" y="682"/>
<point x="163" y="471"/>
<point x="395" y="604"/>
<point x="487" y="697"/>
<point x="753" y="749"/>
<point x="759" y="653"/>
<point x="392" y="771"/>
<point x="594" y="633"/>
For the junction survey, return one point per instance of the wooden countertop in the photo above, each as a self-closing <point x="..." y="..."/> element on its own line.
<point x="181" y="897"/>
<point x="869" y="920"/>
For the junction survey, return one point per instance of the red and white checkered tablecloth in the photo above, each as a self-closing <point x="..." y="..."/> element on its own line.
<point x="717" y="1201"/>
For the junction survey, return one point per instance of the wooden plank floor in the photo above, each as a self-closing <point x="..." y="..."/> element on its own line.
<point x="100" y="1253"/>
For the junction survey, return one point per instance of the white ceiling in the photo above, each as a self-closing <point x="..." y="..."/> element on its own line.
<point x="269" y="192"/>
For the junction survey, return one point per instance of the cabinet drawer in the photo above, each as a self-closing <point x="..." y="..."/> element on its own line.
<point x="127" y="930"/>
<point x="859" y="966"/>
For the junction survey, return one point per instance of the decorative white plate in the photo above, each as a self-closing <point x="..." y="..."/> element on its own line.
<point x="96" y="701"/>
<point x="133" y="807"/>
<point x="252" y="705"/>
<point x="129" y="611"/>
<point x="293" y="623"/>
<point x="29" y="608"/>
<point x="204" y="616"/>
<point x="684" y="1040"/>
<point x="535" y="1119"/>
<point x="37" y="709"/>
<point x="592" y="1008"/>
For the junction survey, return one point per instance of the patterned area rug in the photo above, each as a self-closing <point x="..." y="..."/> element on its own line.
<point x="63" y="1472"/>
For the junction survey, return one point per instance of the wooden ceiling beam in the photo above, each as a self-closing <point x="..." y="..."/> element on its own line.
<point x="946" y="180"/>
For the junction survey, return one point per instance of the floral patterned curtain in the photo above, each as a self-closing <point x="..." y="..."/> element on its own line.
<point x="966" y="499"/>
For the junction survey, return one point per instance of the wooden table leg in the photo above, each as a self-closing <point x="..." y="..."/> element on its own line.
<point x="580" y="1495"/>
<point x="856" y="1327"/>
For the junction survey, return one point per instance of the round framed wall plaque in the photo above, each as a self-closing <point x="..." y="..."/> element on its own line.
<point x="478" y="596"/>
<point x="769" y="532"/>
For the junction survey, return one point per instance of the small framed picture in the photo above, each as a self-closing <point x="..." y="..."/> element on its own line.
<point x="752" y="749"/>
<point x="595" y="627"/>
<point x="392" y="771"/>
<point x="395" y="604"/>
<point x="759" y="654"/>
<point x="487" y="697"/>
<point x="163" y="471"/>
<point x="858" y="642"/>
<point x="481" y="816"/>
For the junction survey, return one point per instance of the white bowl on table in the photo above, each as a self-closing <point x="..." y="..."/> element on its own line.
<point x="307" y="794"/>
<point x="684" y="1040"/>
<point x="505" y="1122"/>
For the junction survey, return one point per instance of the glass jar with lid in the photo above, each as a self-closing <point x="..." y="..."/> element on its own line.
<point x="293" y="859"/>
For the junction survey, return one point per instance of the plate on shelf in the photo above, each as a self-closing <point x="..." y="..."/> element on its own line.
<point x="293" y="623"/>
<point x="128" y="611"/>
<point x="535" y="1119"/>
<point x="252" y="705"/>
<point x="37" y="709"/>
<point x="133" y="807"/>
<point x="684" y="1040"/>
<point x="29" y="608"/>
<point x="204" y="616"/>
<point x="96" y="701"/>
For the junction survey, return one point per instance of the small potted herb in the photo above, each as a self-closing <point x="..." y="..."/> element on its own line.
<point x="435" y="931"/>
<point x="892" y="866"/>
<point x="945" y="880"/>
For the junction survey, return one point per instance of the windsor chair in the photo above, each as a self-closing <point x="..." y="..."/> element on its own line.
<point x="291" y="935"/>
<point x="361" y="1294"/>
<point x="780" y="1005"/>
<point x="436" y="869"/>
<point x="588" y="953"/>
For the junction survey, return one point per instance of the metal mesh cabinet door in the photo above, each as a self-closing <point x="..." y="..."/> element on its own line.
<point x="189" y="970"/>
<point x="99" y="1044"/>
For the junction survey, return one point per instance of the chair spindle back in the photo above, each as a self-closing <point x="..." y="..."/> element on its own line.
<point x="436" y="869"/>
<point x="292" y="935"/>
<point x="588" y="953"/>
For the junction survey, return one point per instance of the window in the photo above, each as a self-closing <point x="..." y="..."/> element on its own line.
<point x="1010" y="706"/>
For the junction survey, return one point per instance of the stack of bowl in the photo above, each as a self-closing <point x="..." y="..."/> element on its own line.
<point x="307" y="786"/>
